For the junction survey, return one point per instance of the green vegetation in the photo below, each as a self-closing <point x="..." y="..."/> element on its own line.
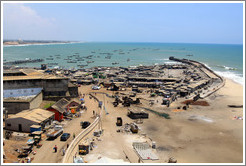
<point x="48" y="105"/>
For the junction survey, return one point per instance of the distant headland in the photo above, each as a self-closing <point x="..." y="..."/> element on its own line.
<point x="23" y="42"/>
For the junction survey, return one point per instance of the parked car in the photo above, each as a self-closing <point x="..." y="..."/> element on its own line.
<point x="65" y="136"/>
<point x="85" y="124"/>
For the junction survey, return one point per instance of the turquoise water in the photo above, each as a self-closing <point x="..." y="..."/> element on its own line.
<point x="225" y="59"/>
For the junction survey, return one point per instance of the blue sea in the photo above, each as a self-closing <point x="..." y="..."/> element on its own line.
<point x="225" y="59"/>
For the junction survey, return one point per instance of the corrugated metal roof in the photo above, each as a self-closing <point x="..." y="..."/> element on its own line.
<point x="13" y="93"/>
<point x="31" y="74"/>
<point x="37" y="115"/>
<point x="60" y="105"/>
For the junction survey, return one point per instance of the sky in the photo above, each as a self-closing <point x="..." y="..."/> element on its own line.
<point x="220" y="23"/>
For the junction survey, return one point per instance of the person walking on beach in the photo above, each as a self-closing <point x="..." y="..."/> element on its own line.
<point x="73" y="135"/>
<point x="67" y="146"/>
<point x="55" y="148"/>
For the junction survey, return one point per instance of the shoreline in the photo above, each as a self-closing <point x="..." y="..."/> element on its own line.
<point x="36" y="43"/>
<point x="201" y="133"/>
<point x="38" y="68"/>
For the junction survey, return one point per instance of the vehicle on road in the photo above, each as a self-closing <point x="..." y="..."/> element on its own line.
<point x="55" y="132"/>
<point x="65" y="136"/>
<point x="96" y="87"/>
<point x="85" y="124"/>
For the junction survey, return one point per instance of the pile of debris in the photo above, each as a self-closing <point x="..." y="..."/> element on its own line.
<point x="129" y="128"/>
<point x="191" y="102"/>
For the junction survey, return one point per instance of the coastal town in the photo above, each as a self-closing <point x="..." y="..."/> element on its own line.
<point x="163" y="113"/>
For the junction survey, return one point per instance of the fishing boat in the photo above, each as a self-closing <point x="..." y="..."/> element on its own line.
<point x="89" y="61"/>
<point x="81" y="66"/>
<point x="49" y="58"/>
<point x="71" y="61"/>
<point x="80" y="59"/>
<point x="108" y="57"/>
<point x="52" y="63"/>
<point x="115" y="63"/>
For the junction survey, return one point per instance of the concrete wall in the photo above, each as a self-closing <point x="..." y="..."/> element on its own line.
<point x="36" y="101"/>
<point x="15" y="107"/>
<point x="19" y="84"/>
<point x="15" y="124"/>
<point x="55" y="85"/>
<point x="51" y="87"/>
<point x="25" y="123"/>
<point x="73" y="91"/>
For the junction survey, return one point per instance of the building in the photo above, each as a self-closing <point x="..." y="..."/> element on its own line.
<point x="59" y="108"/>
<point x="23" y="120"/>
<point x="52" y="85"/>
<point x="16" y="100"/>
<point x="73" y="106"/>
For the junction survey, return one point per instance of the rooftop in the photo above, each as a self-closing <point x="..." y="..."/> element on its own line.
<point x="29" y="75"/>
<point x="20" y="94"/>
<point x="60" y="105"/>
<point x="36" y="115"/>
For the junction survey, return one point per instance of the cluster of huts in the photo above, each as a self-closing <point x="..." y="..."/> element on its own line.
<point x="25" y="89"/>
<point x="40" y="119"/>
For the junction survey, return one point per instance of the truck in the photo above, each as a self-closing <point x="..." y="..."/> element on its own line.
<point x="119" y="121"/>
<point x="55" y="132"/>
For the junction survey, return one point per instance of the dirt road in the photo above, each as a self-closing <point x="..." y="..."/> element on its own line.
<point x="46" y="154"/>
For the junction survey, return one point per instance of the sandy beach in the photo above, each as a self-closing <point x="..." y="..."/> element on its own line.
<point x="201" y="134"/>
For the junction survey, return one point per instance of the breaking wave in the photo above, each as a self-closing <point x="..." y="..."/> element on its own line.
<point x="233" y="76"/>
<point x="226" y="67"/>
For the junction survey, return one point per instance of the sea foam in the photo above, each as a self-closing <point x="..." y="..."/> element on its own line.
<point x="233" y="76"/>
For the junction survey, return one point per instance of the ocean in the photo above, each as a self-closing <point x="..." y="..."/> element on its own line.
<point x="224" y="59"/>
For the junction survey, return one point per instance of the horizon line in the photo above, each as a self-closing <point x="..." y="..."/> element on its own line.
<point x="124" y="41"/>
